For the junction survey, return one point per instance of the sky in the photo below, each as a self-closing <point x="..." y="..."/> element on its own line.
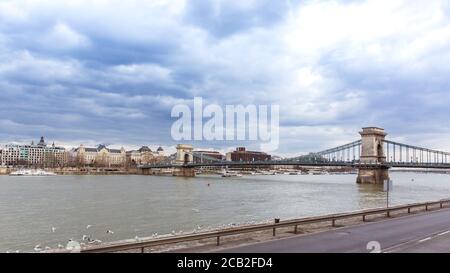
<point x="110" y="72"/>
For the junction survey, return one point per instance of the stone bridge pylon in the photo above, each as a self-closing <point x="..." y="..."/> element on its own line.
<point x="184" y="156"/>
<point x="372" y="153"/>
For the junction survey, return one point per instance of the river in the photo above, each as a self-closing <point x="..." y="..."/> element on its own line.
<point x="143" y="205"/>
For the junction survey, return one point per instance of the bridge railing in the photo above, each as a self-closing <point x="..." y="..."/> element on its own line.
<point x="218" y="234"/>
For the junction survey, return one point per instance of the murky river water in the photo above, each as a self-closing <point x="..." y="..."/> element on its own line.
<point x="142" y="205"/>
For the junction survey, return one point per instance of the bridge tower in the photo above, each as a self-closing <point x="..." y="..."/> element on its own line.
<point x="372" y="153"/>
<point x="184" y="156"/>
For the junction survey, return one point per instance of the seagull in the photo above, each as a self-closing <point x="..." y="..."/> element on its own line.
<point x="38" y="248"/>
<point x="47" y="248"/>
<point x="86" y="238"/>
<point x="60" y="246"/>
<point x="173" y="232"/>
<point x="88" y="226"/>
<point x="110" y="231"/>
<point x="137" y="238"/>
<point x="53" y="229"/>
<point x="73" y="245"/>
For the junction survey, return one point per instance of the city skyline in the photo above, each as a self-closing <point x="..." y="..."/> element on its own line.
<point x="111" y="72"/>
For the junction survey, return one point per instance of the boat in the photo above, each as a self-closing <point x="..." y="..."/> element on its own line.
<point x="318" y="172"/>
<point x="32" y="173"/>
<point x="231" y="174"/>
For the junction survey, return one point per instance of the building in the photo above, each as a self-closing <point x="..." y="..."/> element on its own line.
<point x="207" y="156"/>
<point x="100" y="156"/>
<point x="160" y="151"/>
<point x="142" y="156"/>
<point x="39" y="155"/>
<point x="241" y="154"/>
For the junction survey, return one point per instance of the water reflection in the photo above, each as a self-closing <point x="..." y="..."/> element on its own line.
<point x="371" y="195"/>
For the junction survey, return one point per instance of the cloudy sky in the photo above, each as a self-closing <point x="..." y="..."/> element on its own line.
<point x="109" y="71"/>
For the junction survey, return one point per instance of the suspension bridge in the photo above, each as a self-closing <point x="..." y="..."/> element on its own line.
<point x="372" y="155"/>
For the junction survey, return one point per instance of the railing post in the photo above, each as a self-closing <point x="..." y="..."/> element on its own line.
<point x="142" y="249"/>
<point x="426" y="207"/>
<point x="218" y="240"/>
<point x="388" y="213"/>
<point x="440" y="204"/>
<point x="295" y="229"/>
<point x="409" y="210"/>
<point x="333" y="222"/>
<point x="277" y="220"/>
<point x="364" y="218"/>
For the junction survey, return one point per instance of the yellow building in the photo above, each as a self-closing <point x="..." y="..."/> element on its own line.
<point x="100" y="156"/>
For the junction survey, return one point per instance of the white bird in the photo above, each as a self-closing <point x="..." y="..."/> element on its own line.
<point x="53" y="229"/>
<point x="73" y="245"/>
<point x="47" y="248"/>
<point x="110" y="231"/>
<point x="38" y="248"/>
<point x="173" y="232"/>
<point x="60" y="246"/>
<point x="88" y="226"/>
<point x="137" y="238"/>
<point x="17" y="251"/>
<point x="86" y="238"/>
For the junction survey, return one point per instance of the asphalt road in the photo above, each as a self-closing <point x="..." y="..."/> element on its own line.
<point x="426" y="232"/>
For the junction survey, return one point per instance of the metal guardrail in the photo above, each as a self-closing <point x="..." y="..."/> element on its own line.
<point x="253" y="228"/>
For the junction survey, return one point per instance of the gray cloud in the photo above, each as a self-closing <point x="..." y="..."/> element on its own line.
<point x="111" y="72"/>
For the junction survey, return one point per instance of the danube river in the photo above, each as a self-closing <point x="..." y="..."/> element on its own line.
<point x="51" y="210"/>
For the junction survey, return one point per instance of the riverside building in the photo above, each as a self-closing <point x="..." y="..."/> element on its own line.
<point x="40" y="155"/>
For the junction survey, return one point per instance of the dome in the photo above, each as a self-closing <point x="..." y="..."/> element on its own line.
<point x="145" y="149"/>
<point x="42" y="142"/>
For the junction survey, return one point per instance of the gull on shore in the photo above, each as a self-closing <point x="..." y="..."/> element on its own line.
<point x="96" y="241"/>
<point x="110" y="231"/>
<point x="88" y="226"/>
<point x="53" y="229"/>
<point x="38" y="248"/>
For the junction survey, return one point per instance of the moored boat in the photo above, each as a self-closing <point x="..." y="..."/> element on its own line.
<point x="32" y="173"/>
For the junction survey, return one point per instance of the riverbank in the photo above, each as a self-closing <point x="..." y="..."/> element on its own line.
<point x="200" y="245"/>
<point x="80" y="171"/>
